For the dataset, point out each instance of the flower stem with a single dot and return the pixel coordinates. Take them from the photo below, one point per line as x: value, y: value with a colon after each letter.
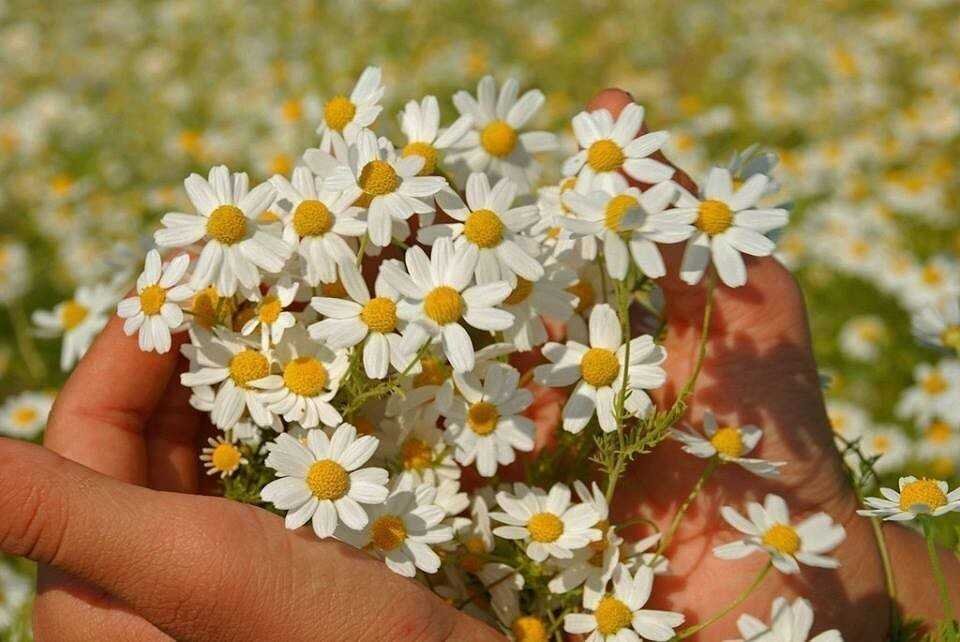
x: 28, y: 351
x: 730, y: 607
x: 678, y: 517
x: 702, y: 344
x: 948, y: 613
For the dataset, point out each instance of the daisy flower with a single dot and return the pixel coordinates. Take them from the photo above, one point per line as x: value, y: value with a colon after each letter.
x: 362, y: 319
x: 936, y: 393
x: 862, y: 337
x: 310, y: 375
x: 728, y: 443
x: 916, y: 497
x: 237, y: 244
x: 440, y: 301
x: 938, y: 439
x: 727, y: 224
x: 156, y: 309
x: 629, y: 223
x: 530, y: 300
x: 23, y: 416
x: 386, y: 185
x: 788, y: 623
x: 939, y: 326
x: 485, y: 424
x: 420, y: 123
x: 620, y: 617
x: 553, y: 209
x: 403, y: 528
x: 609, y: 147
x: 769, y: 529
x: 596, y: 371
x: 889, y: 445
x: 222, y: 457
x: 547, y: 522
x: 346, y: 116
x: 79, y: 320
x: 271, y: 315
x: 318, y: 224
x: 496, y: 142
x: 422, y: 452
x: 324, y: 481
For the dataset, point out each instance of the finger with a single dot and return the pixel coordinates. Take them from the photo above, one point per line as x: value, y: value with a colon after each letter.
x: 199, y: 568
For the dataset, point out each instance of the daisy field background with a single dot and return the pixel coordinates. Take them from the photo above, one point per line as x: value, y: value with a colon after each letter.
x: 106, y: 106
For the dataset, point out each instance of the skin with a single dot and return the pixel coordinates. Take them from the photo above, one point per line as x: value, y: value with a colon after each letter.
x: 113, y: 508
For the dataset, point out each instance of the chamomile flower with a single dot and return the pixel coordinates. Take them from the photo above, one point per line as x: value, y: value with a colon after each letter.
x: 403, y: 528
x: 728, y: 443
x: 619, y: 616
x: 769, y: 529
x: 916, y: 497
x: 23, y: 416
x: 553, y: 209
x: 936, y: 393
x: 788, y: 623
x: 79, y: 320
x: 728, y: 224
x: 496, y: 142
x: 324, y: 480
x: 630, y: 223
x: 863, y: 336
x: 386, y: 185
x: 439, y: 301
x: 609, y: 147
x: 420, y: 123
x: 597, y: 372
x: 237, y: 245
x: 362, y: 319
x: 939, y: 326
x: 222, y: 457
x: 346, y: 116
x: 485, y: 424
x: 546, y: 521
x: 531, y: 300
x: 422, y: 452
x: 318, y: 224
x: 937, y: 439
x: 156, y: 309
x: 887, y: 443
x: 270, y: 314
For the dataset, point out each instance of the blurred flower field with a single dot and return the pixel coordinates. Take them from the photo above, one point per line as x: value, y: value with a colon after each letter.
x: 105, y: 107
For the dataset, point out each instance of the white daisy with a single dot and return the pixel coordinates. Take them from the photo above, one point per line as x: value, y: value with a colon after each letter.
x: 939, y: 326
x: 324, y: 481
x: 485, y: 424
x: 728, y: 443
x: 420, y: 123
x: 318, y: 223
x: 530, y: 300
x: 386, y: 185
x: 609, y: 147
x: 547, y: 522
x: 421, y: 451
x: 346, y: 116
x: 862, y: 337
x: 237, y: 244
x: 620, y: 617
x: 936, y: 393
x: 496, y: 143
x: 23, y: 416
x: 156, y: 309
x: 553, y: 209
x: 79, y: 320
x: 890, y: 445
x: 440, y: 301
x: 728, y: 223
x: 769, y: 529
x: 488, y: 222
x: 788, y: 623
x: 597, y: 371
x: 916, y: 497
x: 938, y: 439
x: 270, y: 313
x: 222, y: 457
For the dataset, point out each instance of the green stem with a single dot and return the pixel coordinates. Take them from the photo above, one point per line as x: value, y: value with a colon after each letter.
x: 623, y: 305
x: 948, y: 613
x: 730, y: 607
x: 694, y: 492
x: 28, y: 351
x: 702, y: 345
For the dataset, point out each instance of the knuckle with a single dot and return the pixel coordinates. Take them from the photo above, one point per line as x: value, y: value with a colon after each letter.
x: 35, y: 517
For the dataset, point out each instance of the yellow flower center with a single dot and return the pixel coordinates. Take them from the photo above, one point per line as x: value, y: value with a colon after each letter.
x: 305, y: 376
x: 498, y: 139
x: 152, y: 299
x: 951, y: 337
x: 433, y: 372
x: 545, y: 527
x: 248, y: 365
x: 529, y: 629
x: 380, y: 314
x: 205, y: 306
x: 472, y: 561
x: 782, y: 538
x: 227, y: 224
x: 934, y: 383
x: 924, y: 492
x: 416, y: 454
x: 292, y: 110
x: 72, y: 314
x: 932, y: 275
x: 617, y: 207
x: 584, y: 291
x: 388, y: 532
x: 483, y: 228
x: 338, y: 112
x: 881, y: 443
x: 483, y: 417
x: 378, y: 178
x: 714, y: 217
x: 225, y: 458
x: 520, y: 292
x: 427, y: 152
x: 612, y: 615
x: 728, y: 441
x: 312, y: 218
x: 328, y: 480
x: 24, y: 416
x: 599, y: 367
x: 443, y: 305
x: 938, y: 432
x: 269, y: 309
x: 605, y: 156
